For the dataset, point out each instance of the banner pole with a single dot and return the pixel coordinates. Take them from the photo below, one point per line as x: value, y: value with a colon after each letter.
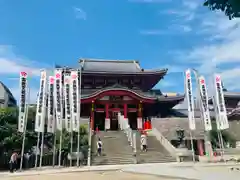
x: 192, y: 146
x: 222, y: 144
x: 41, y: 153
x: 60, y: 149
x: 55, y: 138
x: 25, y: 129
x: 37, y: 150
x: 78, y: 136
x: 54, y: 148
x: 71, y: 147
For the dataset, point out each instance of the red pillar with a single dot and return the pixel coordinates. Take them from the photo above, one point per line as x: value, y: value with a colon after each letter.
x: 107, y: 120
x: 107, y: 112
x: 92, y: 116
x: 200, y: 147
x: 139, y: 119
x: 125, y: 111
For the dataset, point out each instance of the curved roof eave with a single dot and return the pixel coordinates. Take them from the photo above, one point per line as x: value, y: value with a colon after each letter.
x: 228, y: 94
x: 171, y: 98
x: 149, y: 72
x: 122, y: 91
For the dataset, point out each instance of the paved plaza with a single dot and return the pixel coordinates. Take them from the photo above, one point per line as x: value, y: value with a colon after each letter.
x: 116, y: 175
x: 164, y: 171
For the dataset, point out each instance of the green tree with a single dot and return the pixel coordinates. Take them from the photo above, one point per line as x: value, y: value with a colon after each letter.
x: 10, y: 138
x: 231, y: 8
x: 227, y: 138
x: 66, y: 139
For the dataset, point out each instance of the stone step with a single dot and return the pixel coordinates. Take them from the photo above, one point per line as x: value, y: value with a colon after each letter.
x: 156, y: 152
x: 116, y: 149
x: 110, y: 162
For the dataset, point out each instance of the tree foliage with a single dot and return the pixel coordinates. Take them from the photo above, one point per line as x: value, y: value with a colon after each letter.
x: 11, y: 139
x: 226, y: 136
x: 231, y: 8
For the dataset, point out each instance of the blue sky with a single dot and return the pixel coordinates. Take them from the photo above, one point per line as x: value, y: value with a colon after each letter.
x: 175, y: 34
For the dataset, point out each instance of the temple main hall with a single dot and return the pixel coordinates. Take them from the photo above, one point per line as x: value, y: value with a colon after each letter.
x: 112, y: 86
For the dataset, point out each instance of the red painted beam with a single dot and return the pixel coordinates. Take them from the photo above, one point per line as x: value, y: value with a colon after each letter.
x: 123, y: 92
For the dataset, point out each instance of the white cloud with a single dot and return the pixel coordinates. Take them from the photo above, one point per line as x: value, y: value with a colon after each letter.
x: 174, y: 68
x: 219, y: 49
x: 152, y: 32
x: 192, y: 4
x: 173, y: 29
x: 79, y: 13
x: 182, y: 14
x: 12, y: 64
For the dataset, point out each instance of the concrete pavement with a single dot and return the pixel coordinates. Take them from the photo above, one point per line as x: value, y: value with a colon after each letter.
x: 191, y: 171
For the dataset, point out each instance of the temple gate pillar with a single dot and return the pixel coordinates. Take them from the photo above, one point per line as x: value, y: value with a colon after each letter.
x: 139, y: 118
x: 125, y: 112
x: 107, y: 119
x: 92, y: 116
x: 200, y: 147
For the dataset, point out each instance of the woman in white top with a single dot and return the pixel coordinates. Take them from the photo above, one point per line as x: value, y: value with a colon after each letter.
x: 144, y: 142
x: 99, y: 147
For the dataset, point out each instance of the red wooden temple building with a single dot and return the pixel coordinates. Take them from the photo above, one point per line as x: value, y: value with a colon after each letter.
x: 113, y: 86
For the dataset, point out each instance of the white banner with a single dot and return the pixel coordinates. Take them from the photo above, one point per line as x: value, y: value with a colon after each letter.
x: 220, y: 104
x: 75, y: 101
x: 58, y: 98
x: 51, y: 119
x: 189, y: 95
x: 41, y: 103
x: 22, y: 102
x: 68, y: 121
x: 204, y: 104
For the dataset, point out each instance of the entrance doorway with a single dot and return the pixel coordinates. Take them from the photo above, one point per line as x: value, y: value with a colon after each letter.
x: 132, y: 119
x: 99, y: 120
x: 114, y: 121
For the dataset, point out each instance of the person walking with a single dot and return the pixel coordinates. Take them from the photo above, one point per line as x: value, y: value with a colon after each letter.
x: 13, y: 162
x: 144, y: 142
x: 27, y: 156
x: 99, y: 147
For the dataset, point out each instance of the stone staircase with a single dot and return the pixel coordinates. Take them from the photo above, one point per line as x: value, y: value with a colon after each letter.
x: 116, y: 149
x: 156, y: 152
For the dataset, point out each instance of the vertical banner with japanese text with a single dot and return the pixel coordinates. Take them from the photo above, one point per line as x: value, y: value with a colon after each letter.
x: 51, y: 119
x: 68, y: 121
x: 22, y: 102
x: 75, y: 101
x: 204, y: 104
x: 41, y: 103
x: 58, y: 98
x: 220, y: 104
x: 189, y: 95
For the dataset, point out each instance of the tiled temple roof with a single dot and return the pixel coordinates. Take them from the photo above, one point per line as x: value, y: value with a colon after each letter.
x: 117, y: 66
